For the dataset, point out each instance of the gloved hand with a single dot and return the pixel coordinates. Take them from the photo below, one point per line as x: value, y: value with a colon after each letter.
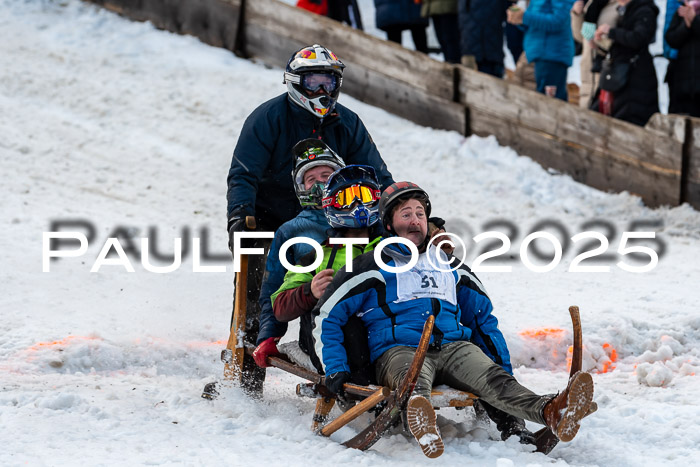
x: 236, y: 224
x: 588, y: 30
x: 438, y: 222
x: 334, y: 382
x: 267, y: 348
x: 524, y: 435
x: 436, y: 225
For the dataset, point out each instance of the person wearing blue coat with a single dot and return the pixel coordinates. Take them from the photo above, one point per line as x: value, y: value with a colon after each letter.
x: 395, y: 16
x: 548, y: 41
x: 467, y: 350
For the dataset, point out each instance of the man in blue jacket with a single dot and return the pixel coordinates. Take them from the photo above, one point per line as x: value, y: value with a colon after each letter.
x: 259, y: 181
x: 548, y: 42
x: 466, y: 340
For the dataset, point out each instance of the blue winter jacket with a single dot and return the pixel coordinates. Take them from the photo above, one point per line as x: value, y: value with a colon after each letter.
x: 481, y: 29
x: 548, y: 35
x: 398, y: 13
x: 260, y: 181
x: 394, y: 307
x: 671, y: 8
x: 310, y: 223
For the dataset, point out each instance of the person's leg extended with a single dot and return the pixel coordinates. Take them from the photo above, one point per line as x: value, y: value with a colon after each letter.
x: 464, y: 366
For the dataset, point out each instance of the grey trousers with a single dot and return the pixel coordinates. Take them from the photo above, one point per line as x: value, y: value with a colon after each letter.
x: 463, y: 366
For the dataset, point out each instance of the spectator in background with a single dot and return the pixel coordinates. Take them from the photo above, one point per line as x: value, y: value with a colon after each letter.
x: 481, y: 31
x: 345, y: 11
x: 683, y: 75
x: 395, y: 16
x: 669, y: 52
x: 446, y: 23
x: 548, y: 42
x: 585, y: 18
x: 514, y: 38
x: 320, y: 7
x: 634, y: 97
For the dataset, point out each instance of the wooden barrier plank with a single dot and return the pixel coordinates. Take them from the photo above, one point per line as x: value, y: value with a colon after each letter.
x: 214, y: 22
x: 605, y: 153
x: 352, y: 46
x: 404, y: 100
x: 584, y: 164
x: 692, y: 177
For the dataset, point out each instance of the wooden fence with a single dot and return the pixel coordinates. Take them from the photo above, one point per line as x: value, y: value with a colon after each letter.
x: 659, y: 162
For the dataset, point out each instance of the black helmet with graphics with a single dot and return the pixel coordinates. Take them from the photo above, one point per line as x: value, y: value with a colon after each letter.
x: 397, y: 192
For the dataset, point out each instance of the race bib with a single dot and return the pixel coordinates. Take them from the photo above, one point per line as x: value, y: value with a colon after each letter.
x: 424, y: 281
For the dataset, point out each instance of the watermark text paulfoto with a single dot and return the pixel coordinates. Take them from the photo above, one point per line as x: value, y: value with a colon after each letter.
x: 637, y: 249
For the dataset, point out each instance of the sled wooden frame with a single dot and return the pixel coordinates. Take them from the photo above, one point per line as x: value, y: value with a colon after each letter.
x: 371, y: 395
x: 235, y: 350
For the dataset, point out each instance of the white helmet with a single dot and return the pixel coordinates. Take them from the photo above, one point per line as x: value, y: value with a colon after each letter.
x: 313, y: 76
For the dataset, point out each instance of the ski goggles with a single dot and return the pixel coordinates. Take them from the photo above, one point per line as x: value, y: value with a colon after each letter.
x: 345, y: 197
x: 313, y: 82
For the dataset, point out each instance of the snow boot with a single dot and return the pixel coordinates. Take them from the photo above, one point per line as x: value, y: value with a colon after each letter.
x: 421, y: 420
x: 564, y: 412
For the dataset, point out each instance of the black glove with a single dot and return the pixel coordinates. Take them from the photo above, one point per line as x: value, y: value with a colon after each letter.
x: 235, y: 224
x: 509, y: 425
x: 334, y: 383
x: 438, y: 222
x: 525, y: 435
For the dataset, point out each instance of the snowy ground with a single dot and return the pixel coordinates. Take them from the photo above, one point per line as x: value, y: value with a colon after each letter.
x: 118, y: 124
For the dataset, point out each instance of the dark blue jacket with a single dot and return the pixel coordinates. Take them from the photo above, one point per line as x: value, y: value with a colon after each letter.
x: 394, y: 307
x: 260, y: 181
x: 481, y: 25
x: 310, y: 223
x: 404, y: 13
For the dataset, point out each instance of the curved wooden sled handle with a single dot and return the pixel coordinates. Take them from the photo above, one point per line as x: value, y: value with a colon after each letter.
x: 545, y: 440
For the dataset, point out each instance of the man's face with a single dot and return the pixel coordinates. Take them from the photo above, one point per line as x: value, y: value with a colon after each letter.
x: 317, y: 174
x: 409, y: 221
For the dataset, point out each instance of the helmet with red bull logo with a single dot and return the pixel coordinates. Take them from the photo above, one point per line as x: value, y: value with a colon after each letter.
x: 313, y: 76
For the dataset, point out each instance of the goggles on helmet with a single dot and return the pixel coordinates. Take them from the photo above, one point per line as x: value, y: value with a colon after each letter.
x: 313, y: 82
x: 344, y: 198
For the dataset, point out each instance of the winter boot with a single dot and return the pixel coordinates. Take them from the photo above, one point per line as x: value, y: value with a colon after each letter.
x: 421, y: 419
x: 564, y: 412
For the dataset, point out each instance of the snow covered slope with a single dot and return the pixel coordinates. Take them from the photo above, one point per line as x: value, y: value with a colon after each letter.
x: 120, y: 125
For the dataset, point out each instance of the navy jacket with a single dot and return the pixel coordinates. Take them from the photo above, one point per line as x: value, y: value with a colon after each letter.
x: 394, y: 307
x: 481, y: 24
x: 405, y: 13
x: 260, y: 181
